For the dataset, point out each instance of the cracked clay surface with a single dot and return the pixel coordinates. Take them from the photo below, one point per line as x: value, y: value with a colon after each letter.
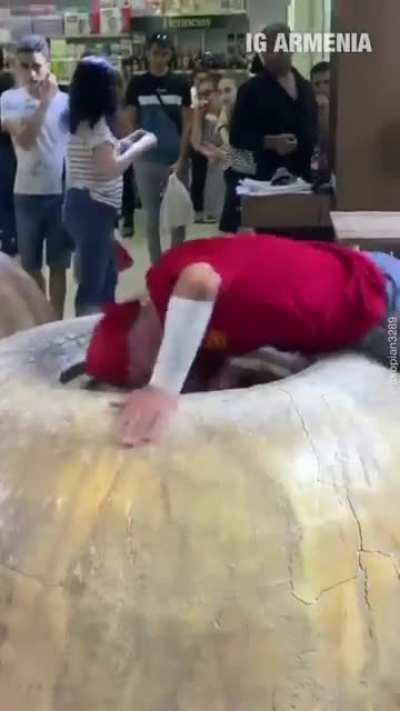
x: 250, y: 562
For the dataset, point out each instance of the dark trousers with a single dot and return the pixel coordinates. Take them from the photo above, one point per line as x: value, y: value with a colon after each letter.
x: 128, y: 195
x: 199, y: 175
x: 231, y: 218
x: 8, y: 230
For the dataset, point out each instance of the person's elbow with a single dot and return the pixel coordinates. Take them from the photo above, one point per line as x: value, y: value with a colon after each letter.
x: 22, y: 138
x: 199, y: 282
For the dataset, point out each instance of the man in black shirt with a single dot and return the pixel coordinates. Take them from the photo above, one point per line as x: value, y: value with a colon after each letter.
x: 159, y: 101
x: 276, y: 114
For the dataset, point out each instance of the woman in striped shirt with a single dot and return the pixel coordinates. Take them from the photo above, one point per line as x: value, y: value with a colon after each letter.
x: 96, y: 161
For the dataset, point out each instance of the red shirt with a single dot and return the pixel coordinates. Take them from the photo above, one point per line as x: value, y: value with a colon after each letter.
x: 307, y: 296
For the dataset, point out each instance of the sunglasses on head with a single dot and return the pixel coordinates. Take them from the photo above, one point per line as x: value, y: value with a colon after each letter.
x: 162, y: 39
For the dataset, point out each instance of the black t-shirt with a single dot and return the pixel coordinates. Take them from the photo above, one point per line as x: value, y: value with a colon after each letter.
x: 159, y: 102
x: 263, y: 108
x: 257, y: 66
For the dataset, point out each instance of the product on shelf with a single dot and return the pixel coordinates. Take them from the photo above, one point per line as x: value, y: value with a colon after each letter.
x: 71, y: 24
x: 76, y: 23
x: 110, y: 21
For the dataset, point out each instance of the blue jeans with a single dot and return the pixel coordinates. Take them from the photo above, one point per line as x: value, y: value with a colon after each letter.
x: 383, y: 342
x: 90, y: 225
x: 39, y: 221
x: 390, y: 266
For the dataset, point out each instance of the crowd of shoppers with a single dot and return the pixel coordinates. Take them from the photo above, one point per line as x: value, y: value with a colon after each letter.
x: 78, y: 162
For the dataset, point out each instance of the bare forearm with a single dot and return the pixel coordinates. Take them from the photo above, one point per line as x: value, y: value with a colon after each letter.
x: 196, y: 132
x: 26, y: 134
x: 127, y: 121
x: 185, y: 138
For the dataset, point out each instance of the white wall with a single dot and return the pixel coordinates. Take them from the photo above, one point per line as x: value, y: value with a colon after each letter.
x: 262, y: 12
x: 309, y: 16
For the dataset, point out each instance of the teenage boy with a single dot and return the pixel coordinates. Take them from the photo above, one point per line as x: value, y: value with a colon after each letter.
x: 159, y: 102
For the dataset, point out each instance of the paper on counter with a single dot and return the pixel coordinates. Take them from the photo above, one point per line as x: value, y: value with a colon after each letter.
x: 249, y: 186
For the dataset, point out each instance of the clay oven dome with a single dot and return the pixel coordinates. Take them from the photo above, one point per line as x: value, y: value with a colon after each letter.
x: 22, y: 305
x: 248, y: 563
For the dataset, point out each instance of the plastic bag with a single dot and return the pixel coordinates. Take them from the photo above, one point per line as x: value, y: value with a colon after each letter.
x: 176, y: 206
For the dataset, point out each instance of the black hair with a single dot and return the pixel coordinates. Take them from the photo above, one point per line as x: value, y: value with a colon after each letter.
x: 7, y: 81
x: 93, y: 93
x: 161, y: 39
x: 319, y: 68
x: 33, y: 43
x: 276, y: 28
x: 257, y: 65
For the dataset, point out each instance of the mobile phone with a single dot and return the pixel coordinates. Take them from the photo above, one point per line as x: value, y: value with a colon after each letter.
x: 136, y: 135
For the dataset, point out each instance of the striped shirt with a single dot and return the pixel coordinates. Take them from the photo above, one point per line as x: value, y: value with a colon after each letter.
x: 81, y: 168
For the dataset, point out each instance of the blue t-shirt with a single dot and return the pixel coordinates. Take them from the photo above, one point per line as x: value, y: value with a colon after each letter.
x: 159, y: 102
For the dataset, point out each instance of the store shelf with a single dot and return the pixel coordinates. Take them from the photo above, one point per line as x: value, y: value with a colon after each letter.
x: 187, y: 72
x: 96, y: 38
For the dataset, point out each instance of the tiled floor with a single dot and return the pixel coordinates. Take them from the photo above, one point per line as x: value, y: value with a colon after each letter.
x: 132, y: 281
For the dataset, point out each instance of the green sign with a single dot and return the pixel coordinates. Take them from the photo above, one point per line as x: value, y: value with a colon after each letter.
x: 187, y: 23
x: 150, y: 25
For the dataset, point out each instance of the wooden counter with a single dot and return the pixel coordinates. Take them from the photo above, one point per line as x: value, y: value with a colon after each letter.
x: 280, y: 212
x: 368, y: 230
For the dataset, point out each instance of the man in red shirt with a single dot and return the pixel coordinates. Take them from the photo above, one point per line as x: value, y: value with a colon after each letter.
x: 211, y: 299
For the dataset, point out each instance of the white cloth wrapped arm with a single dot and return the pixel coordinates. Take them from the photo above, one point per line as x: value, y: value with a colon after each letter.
x: 185, y: 326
